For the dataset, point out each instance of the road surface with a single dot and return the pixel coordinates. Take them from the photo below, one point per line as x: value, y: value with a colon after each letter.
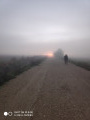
x: 52, y: 91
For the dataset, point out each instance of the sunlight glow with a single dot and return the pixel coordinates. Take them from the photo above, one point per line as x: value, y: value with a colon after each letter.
x: 49, y: 54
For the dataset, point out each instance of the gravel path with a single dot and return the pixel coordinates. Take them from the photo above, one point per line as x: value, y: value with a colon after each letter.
x: 52, y: 90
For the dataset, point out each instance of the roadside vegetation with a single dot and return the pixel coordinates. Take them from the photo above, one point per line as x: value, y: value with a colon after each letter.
x: 11, y: 67
x: 84, y: 63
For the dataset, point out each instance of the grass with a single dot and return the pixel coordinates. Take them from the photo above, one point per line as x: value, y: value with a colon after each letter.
x: 10, y: 69
x: 81, y: 63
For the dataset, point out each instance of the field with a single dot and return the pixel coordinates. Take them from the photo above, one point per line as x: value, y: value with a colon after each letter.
x: 11, y: 66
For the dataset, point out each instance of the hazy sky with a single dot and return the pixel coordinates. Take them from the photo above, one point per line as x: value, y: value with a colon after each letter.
x: 30, y: 27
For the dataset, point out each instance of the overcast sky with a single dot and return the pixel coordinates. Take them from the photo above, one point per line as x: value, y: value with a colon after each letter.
x: 33, y: 27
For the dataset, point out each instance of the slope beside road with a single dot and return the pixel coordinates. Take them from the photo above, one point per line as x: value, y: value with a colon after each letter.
x: 52, y: 91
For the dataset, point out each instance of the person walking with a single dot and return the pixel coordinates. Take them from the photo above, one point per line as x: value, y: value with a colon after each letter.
x: 66, y: 59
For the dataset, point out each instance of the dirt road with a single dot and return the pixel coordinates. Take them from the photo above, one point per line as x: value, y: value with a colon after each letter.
x: 52, y: 91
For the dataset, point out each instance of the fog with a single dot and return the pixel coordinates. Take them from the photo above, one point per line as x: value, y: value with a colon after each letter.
x: 36, y: 27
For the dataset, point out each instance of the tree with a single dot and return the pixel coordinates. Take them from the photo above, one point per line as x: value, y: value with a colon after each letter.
x: 59, y: 53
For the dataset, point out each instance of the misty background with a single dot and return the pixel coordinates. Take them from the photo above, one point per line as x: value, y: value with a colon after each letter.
x: 36, y: 27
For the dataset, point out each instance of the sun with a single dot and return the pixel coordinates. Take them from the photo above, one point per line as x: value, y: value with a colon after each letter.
x: 49, y: 54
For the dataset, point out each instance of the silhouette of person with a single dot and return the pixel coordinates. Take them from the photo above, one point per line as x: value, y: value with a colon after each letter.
x: 66, y: 59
